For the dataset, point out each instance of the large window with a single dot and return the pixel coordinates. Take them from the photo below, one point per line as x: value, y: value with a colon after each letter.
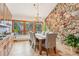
x: 18, y: 27
x: 38, y: 27
x: 24, y: 27
x: 29, y: 26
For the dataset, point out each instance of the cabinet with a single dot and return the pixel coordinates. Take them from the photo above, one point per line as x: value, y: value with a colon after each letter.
x: 5, y: 12
x: 1, y: 10
x: 1, y: 50
x: 6, y: 45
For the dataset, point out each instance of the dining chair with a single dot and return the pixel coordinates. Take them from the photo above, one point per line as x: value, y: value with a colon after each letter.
x: 50, y: 42
x: 31, y: 38
x: 35, y: 42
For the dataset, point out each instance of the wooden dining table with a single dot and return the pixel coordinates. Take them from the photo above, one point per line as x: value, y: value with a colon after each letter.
x: 41, y: 38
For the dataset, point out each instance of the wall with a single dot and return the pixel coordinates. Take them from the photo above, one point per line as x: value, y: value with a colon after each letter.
x: 63, y: 21
x: 5, y: 15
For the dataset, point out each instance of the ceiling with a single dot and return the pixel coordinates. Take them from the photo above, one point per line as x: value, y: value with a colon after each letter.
x: 27, y: 10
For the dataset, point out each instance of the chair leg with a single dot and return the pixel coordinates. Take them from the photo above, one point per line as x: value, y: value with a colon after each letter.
x: 35, y: 47
x: 30, y: 42
x: 55, y: 50
x: 47, y: 50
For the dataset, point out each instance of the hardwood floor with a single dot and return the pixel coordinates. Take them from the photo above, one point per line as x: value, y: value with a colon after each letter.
x: 23, y: 48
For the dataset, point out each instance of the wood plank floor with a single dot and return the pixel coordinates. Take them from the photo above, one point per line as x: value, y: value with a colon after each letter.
x: 23, y: 48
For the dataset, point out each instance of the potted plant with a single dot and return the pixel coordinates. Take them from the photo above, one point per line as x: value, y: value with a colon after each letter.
x: 70, y: 40
x: 73, y: 41
x: 77, y: 45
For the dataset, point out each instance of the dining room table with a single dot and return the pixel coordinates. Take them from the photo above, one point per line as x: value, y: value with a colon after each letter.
x: 41, y: 37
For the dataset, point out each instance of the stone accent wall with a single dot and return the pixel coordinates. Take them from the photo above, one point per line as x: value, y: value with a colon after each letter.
x: 63, y: 21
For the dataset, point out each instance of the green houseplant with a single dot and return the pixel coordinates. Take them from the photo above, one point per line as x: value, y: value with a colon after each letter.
x: 77, y: 45
x: 73, y: 41
x: 70, y: 40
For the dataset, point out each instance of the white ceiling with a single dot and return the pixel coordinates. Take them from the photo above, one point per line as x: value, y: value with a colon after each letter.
x: 27, y: 10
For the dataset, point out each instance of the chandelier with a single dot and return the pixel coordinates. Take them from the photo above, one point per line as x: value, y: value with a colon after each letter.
x: 36, y: 6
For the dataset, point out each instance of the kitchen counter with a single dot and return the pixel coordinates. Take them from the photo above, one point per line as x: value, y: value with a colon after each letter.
x: 6, y: 44
x: 5, y: 38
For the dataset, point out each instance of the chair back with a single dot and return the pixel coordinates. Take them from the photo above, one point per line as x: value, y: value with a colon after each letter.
x: 31, y: 35
x: 50, y: 41
x: 33, y: 39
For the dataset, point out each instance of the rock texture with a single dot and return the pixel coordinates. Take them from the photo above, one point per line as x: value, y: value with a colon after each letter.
x: 64, y: 20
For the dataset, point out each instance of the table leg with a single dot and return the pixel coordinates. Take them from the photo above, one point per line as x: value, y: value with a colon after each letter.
x: 40, y: 47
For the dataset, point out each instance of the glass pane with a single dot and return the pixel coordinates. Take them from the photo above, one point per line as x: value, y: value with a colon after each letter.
x: 18, y: 27
x: 38, y: 27
x: 29, y: 26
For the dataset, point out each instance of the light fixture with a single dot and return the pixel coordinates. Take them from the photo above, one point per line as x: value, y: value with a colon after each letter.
x: 36, y: 6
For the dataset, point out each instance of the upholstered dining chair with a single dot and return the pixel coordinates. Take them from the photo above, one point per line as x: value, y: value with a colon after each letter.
x: 30, y: 37
x: 33, y: 42
x: 50, y: 42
